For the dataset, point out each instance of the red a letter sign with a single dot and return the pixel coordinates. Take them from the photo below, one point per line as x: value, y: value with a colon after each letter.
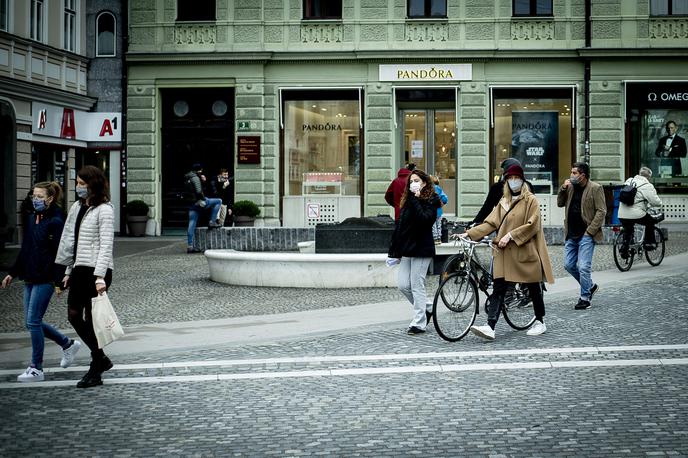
x: 41, y: 119
x: 106, y: 128
x: 68, y: 129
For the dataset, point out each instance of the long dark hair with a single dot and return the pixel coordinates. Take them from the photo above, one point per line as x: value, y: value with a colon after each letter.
x: 425, y: 193
x: 98, y: 187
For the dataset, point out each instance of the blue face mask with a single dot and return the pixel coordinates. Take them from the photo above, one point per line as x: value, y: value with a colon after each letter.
x: 39, y: 204
x: 82, y: 192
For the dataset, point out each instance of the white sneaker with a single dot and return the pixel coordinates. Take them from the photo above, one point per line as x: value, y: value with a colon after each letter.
x: 486, y: 332
x: 69, y: 353
x: 31, y: 374
x: 538, y: 328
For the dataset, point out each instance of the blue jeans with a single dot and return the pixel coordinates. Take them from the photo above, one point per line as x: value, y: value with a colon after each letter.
x: 195, y: 212
x: 36, y: 299
x: 578, y: 262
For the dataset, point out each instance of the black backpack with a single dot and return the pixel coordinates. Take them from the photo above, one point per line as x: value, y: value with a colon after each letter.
x: 628, y: 192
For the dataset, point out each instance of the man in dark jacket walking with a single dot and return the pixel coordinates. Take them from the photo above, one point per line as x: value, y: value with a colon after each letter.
x: 194, y: 183
x: 396, y: 188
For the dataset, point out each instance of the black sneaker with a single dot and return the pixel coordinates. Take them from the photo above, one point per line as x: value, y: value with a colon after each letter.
x: 213, y: 225
x: 583, y: 305
x: 649, y: 246
x: 193, y: 250
x: 92, y: 378
x: 593, y: 290
x: 428, y: 317
x: 414, y: 330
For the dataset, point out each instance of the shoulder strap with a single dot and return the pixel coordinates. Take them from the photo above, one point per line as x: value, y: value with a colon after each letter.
x: 505, y: 215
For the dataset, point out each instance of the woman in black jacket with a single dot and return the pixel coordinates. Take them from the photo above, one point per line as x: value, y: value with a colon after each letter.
x: 36, y: 266
x: 413, y: 243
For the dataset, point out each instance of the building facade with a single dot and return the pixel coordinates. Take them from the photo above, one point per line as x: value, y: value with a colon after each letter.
x: 314, y: 105
x: 51, y: 123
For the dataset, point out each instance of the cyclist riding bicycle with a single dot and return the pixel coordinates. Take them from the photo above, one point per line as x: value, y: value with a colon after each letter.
x: 521, y: 256
x: 496, y: 191
x: 645, y: 198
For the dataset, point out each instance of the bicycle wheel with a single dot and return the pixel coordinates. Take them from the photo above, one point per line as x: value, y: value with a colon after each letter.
x: 623, y: 264
x: 455, y: 306
x: 655, y: 257
x: 518, y: 307
x: 451, y: 265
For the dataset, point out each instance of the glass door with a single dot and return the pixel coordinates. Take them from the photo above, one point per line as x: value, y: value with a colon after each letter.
x: 429, y: 141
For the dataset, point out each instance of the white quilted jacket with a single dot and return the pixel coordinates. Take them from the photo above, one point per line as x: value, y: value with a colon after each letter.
x: 96, y: 237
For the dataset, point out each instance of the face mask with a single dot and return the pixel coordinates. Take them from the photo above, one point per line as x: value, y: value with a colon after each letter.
x: 415, y: 187
x: 515, y: 184
x: 39, y: 204
x: 82, y: 192
x: 574, y: 179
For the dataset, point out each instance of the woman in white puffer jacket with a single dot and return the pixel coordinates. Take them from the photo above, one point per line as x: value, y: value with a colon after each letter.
x: 645, y: 197
x: 86, y: 249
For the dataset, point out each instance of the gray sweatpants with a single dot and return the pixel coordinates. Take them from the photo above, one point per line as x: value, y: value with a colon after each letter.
x: 411, y: 281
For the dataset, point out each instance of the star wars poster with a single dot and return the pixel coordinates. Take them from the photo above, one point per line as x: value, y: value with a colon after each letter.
x: 535, y: 142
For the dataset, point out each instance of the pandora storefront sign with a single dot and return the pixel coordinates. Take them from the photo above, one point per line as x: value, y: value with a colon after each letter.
x: 429, y: 72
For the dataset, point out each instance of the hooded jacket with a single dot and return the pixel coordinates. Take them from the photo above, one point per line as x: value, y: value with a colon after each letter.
x: 196, y: 185
x: 396, y: 190
x: 645, y: 196
x: 36, y: 260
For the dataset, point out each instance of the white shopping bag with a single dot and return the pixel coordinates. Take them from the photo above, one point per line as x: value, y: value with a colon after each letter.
x: 105, y: 322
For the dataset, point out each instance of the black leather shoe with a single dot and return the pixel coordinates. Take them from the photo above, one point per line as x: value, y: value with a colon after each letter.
x: 414, y: 330
x: 89, y: 380
x: 428, y: 317
x: 583, y: 305
x: 105, y: 364
x: 593, y: 290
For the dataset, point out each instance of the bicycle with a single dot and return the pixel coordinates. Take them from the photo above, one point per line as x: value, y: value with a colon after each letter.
x: 456, y: 303
x: 637, y: 248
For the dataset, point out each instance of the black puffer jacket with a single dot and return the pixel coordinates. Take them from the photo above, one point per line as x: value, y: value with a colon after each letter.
x: 36, y: 260
x: 413, y: 235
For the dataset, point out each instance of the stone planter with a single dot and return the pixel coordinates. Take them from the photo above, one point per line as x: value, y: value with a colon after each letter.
x: 137, y: 225
x: 244, y: 221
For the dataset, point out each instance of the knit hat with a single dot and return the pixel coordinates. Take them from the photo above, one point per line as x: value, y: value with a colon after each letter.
x: 508, y: 162
x: 197, y: 166
x: 515, y: 170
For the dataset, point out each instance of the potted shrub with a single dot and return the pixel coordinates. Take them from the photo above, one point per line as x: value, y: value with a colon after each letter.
x: 137, y: 217
x: 245, y: 213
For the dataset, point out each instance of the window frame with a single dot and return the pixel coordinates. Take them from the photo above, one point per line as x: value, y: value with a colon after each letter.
x: 214, y: 18
x: 428, y: 10
x: 533, y: 10
x: 8, y: 16
x: 70, y: 36
x: 309, y: 3
x: 670, y: 5
x: 114, y: 34
x: 37, y: 21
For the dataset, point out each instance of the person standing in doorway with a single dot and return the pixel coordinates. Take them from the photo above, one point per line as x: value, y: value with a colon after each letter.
x: 194, y: 182
x: 36, y: 266
x: 222, y: 190
x: 86, y: 248
x: 397, y: 188
x: 412, y: 243
x: 585, y: 209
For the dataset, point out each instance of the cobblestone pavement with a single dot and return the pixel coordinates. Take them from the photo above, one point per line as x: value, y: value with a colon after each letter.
x: 610, y: 380
x: 167, y: 285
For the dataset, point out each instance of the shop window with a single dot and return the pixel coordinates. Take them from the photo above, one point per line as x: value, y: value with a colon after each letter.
x: 105, y: 35
x: 526, y: 8
x: 418, y: 9
x: 193, y: 10
x: 535, y: 128
x: 37, y: 20
x: 69, y: 25
x: 4, y: 15
x: 322, y: 147
x: 668, y: 7
x: 322, y: 9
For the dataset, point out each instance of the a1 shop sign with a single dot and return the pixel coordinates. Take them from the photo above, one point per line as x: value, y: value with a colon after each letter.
x: 71, y: 124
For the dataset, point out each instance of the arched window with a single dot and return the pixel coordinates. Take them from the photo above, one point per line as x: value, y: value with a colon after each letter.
x: 105, y: 35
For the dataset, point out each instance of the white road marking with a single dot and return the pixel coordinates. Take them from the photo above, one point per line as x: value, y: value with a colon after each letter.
x: 361, y: 358
x: 447, y: 368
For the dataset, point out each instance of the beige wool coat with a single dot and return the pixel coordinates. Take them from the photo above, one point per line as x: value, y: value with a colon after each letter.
x: 525, y: 259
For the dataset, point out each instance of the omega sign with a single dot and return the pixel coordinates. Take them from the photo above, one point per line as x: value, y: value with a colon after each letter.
x: 667, y: 96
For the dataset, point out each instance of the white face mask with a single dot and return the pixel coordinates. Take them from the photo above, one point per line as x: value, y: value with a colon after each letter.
x: 415, y: 186
x: 515, y: 184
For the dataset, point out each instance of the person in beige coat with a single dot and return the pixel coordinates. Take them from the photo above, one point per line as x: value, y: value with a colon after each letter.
x: 521, y: 253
